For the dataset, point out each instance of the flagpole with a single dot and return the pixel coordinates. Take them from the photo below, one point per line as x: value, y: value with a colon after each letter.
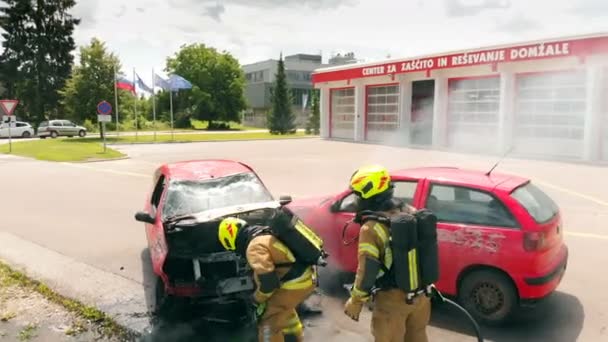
x: 154, y: 103
x: 135, y: 105
x: 116, y: 99
x: 171, y: 106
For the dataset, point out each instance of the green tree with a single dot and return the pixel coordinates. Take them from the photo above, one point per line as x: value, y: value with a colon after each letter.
x: 314, y: 119
x: 218, y: 84
x: 281, y: 119
x: 37, y: 57
x: 91, y: 82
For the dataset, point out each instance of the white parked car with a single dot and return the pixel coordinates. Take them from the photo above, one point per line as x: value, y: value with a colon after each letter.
x: 19, y: 129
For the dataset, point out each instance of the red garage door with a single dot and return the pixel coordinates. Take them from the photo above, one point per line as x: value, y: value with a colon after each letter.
x: 473, y: 107
x: 342, y: 114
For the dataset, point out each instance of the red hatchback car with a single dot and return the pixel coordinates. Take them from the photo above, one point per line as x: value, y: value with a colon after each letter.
x: 500, y: 236
x: 186, y: 202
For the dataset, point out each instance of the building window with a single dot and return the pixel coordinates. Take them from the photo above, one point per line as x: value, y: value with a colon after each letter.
x: 551, y: 105
x: 297, y: 95
x: 473, y: 105
x: 343, y: 113
x: 383, y: 108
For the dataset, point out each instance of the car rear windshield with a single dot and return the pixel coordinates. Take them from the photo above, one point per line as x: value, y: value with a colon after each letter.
x: 538, y: 204
x: 185, y: 197
x: 44, y: 124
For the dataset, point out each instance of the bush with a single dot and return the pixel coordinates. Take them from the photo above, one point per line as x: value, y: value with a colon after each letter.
x: 218, y: 126
x: 90, y: 126
x: 183, y: 121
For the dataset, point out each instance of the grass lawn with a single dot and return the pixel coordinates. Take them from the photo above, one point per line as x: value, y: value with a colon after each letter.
x: 198, y: 137
x: 62, y: 149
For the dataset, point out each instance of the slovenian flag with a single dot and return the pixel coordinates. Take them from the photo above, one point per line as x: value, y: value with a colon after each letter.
x: 123, y: 83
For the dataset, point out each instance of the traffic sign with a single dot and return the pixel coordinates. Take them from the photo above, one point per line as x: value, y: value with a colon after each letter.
x: 9, y: 118
x: 9, y: 106
x: 104, y: 118
x: 104, y: 108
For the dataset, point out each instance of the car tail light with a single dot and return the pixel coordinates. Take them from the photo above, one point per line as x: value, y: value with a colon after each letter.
x: 534, y: 241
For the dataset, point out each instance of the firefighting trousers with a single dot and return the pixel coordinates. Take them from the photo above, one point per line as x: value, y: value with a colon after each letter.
x: 280, y: 322
x: 393, y: 320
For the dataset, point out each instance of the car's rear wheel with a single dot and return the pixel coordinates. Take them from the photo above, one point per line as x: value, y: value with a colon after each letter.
x: 489, y: 296
x: 82, y: 133
x: 26, y: 134
x: 54, y: 134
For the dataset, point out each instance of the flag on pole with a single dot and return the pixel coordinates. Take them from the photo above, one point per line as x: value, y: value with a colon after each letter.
x: 177, y: 82
x: 142, y: 85
x: 161, y: 82
x: 125, y: 84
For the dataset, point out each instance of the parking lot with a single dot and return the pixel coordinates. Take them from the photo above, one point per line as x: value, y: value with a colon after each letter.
x: 85, y: 212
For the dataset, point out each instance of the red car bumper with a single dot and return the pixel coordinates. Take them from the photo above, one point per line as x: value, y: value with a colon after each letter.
x: 536, y: 287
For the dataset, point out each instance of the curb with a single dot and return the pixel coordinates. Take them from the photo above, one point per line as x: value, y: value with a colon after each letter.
x: 97, y: 160
x: 205, y: 141
x: 121, y: 299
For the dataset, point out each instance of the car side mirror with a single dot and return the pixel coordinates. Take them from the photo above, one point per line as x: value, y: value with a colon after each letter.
x: 145, y: 217
x: 285, y: 200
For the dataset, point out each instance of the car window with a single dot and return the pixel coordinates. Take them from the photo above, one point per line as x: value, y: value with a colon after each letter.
x: 455, y: 204
x: 348, y: 204
x: 405, y: 190
x: 68, y: 123
x: 56, y: 123
x: 158, y: 191
x: 44, y: 124
x: 538, y: 204
x: 21, y: 124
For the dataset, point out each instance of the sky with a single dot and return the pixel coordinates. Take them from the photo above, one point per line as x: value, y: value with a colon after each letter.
x: 143, y: 33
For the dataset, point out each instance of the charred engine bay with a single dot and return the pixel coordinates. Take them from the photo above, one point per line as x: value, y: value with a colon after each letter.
x: 195, y: 255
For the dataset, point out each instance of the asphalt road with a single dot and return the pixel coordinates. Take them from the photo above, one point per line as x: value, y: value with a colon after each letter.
x: 85, y: 211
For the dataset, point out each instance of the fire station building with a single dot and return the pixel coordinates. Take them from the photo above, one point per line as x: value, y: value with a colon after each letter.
x: 546, y: 99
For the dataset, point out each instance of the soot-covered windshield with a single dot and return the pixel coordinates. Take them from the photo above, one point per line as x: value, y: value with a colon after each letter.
x: 186, y: 197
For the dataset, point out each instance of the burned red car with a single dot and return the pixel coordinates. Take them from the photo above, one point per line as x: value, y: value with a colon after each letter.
x: 182, y: 212
x: 500, y: 237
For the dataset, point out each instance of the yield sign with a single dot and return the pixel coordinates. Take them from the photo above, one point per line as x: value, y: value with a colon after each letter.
x: 9, y: 106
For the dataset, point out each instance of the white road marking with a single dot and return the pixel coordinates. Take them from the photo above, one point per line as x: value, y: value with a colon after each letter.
x: 573, y: 193
x: 588, y: 235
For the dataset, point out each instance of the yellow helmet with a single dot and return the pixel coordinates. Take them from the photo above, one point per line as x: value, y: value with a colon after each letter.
x: 229, y: 228
x: 370, y: 181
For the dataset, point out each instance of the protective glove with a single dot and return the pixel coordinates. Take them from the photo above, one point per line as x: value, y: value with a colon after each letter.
x: 353, y: 308
x: 260, y: 309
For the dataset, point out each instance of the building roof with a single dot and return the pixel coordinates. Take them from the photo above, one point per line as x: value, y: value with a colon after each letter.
x: 541, y: 49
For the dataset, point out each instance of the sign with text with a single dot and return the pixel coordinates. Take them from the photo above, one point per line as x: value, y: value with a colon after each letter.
x: 104, y: 118
x: 9, y: 118
x: 544, y: 50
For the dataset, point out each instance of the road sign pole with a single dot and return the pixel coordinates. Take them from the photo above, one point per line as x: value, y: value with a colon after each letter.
x: 10, y: 137
x: 103, y: 124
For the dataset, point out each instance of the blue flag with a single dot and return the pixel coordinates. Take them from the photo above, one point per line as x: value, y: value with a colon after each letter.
x: 177, y: 82
x: 161, y: 82
x: 142, y: 85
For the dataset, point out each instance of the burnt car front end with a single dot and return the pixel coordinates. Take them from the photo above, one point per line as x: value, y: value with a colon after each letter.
x: 197, y: 266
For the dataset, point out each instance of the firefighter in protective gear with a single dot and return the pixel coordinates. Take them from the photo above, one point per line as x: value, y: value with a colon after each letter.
x: 397, y: 314
x: 282, y: 284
